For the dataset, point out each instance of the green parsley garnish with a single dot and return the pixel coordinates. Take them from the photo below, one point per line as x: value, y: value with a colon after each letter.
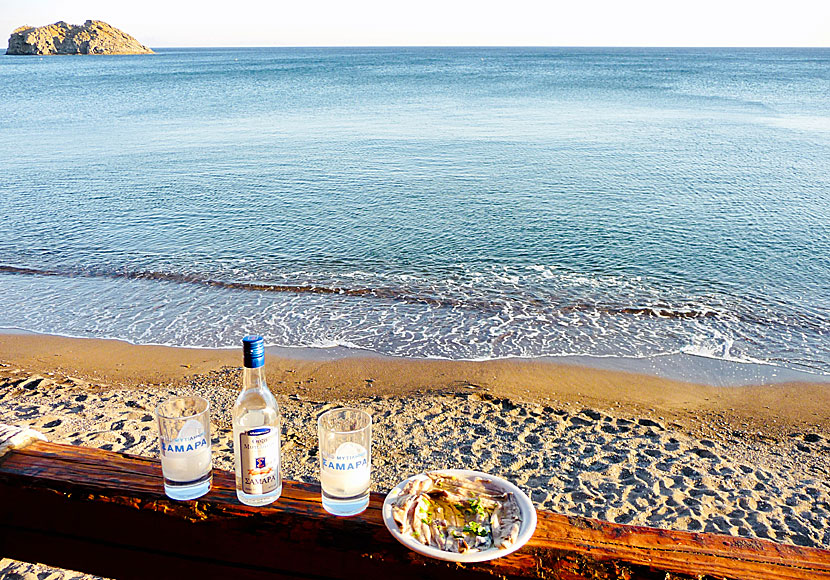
x: 476, y: 507
x: 477, y: 529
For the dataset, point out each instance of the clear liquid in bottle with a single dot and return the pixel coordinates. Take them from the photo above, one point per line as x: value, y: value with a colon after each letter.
x: 256, y: 432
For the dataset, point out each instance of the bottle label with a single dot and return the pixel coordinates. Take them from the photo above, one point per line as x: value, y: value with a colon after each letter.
x: 260, y: 455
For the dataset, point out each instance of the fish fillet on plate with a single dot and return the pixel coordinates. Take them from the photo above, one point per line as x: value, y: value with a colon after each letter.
x: 459, y: 515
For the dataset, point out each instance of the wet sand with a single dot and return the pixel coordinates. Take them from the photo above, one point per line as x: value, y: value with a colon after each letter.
x: 752, y: 461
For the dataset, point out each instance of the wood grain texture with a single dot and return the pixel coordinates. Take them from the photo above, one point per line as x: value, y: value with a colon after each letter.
x: 106, y: 513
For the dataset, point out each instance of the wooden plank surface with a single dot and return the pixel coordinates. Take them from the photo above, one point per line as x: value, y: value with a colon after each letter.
x: 106, y: 513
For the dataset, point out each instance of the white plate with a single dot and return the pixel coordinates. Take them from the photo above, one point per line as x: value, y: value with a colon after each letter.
x: 525, y: 532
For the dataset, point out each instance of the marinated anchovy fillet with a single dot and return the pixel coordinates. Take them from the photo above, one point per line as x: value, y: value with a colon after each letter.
x: 402, y: 511
x: 417, y: 484
x: 506, y: 522
x: 457, y: 514
x: 478, y: 485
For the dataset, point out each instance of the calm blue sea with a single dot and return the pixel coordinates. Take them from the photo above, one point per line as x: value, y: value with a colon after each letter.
x: 464, y: 203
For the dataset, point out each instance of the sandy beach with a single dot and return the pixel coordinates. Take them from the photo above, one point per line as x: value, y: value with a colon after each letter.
x: 752, y: 461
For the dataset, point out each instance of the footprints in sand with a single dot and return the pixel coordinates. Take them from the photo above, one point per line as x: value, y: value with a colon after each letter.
x: 575, y: 461
x: 71, y: 410
x: 14, y: 570
x: 638, y: 471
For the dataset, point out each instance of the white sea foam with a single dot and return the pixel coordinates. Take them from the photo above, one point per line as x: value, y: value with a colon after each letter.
x: 810, y: 123
x: 718, y: 346
x: 519, y: 313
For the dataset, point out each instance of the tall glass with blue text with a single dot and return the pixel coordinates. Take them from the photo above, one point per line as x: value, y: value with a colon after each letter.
x: 184, y: 446
x: 345, y: 460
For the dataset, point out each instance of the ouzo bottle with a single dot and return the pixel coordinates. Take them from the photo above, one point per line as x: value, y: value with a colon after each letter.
x: 256, y: 431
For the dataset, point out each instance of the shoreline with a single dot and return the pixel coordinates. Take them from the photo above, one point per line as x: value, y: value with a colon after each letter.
x: 684, y: 367
x: 771, y: 407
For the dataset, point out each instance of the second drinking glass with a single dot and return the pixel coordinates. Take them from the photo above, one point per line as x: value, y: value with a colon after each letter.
x: 345, y: 460
x: 184, y: 442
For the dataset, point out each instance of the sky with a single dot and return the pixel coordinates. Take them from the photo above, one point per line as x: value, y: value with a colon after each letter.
x: 169, y: 23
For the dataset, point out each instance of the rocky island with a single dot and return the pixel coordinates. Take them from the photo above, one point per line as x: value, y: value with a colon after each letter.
x: 92, y: 37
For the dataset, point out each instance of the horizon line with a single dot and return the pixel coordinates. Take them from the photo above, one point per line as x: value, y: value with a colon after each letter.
x: 491, y: 46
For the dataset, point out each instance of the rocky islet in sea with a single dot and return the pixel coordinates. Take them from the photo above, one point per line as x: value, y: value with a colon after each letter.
x: 91, y: 37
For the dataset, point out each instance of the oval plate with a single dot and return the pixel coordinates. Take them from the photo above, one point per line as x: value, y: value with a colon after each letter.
x: 525, y: 532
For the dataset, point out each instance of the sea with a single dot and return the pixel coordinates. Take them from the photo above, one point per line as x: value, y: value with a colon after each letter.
x: 451, y: 203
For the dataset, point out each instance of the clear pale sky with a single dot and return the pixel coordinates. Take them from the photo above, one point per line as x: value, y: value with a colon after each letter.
x: 161, y: 23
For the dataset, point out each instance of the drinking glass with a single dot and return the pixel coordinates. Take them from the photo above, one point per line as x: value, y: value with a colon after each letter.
x: 345, y: 460
x: 184, y: 441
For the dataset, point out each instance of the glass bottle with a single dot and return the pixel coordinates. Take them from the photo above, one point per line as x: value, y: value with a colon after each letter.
x: 256, y: 431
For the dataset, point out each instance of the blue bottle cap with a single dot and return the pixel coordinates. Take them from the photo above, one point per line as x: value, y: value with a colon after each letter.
x: 253, y: 351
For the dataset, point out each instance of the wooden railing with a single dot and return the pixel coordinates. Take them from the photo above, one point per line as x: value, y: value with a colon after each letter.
x: 106, y: 513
